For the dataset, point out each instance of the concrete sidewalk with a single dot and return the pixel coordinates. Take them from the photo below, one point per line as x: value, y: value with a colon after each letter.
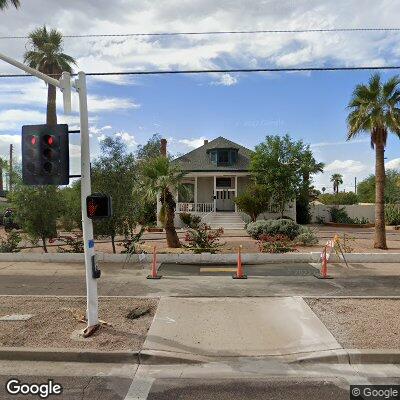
x: 237, y: 327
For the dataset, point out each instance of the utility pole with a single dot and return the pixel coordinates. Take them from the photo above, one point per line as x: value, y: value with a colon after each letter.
x: 355, y: 185
x: 1, y: 177
x: 11, y: 167
x: 64, y: 84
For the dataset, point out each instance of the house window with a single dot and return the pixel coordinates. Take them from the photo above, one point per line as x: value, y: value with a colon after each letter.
x: 223, y: 157
x: 223, y: 182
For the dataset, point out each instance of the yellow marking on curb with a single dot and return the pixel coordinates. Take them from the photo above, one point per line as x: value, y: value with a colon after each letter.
x: 217, y: 269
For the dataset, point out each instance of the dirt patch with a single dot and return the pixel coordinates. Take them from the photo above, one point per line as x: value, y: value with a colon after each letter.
x: 55, y: 322
x: 361, y: 323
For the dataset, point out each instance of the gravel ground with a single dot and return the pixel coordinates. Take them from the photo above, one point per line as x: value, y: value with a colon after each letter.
x: 361, y: 323
x: 55, y: 323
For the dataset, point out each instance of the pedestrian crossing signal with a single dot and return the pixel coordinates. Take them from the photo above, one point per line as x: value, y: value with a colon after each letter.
x: 98, y: 205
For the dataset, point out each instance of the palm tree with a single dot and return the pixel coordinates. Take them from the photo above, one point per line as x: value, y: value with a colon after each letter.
x: 162, y: 178
x: 336, y: 179
x: 47, y: 57
x: 374, y: 109
x: 5, y: 3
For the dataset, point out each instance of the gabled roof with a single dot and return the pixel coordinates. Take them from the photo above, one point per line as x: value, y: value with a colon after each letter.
x: 199, y: 159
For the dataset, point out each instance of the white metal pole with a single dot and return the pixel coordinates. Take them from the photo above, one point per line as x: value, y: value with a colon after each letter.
x: 87, y: 225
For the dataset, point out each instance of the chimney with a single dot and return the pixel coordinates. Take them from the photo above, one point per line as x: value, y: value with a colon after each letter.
x: 205, y: 141
x: 163, y: 147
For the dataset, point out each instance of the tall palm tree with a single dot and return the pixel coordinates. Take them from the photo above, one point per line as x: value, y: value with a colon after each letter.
x: 162, y: 178
x: 374, y: 109
x: 5, y: 3
x: 336, y: 179
x: 47, y: 56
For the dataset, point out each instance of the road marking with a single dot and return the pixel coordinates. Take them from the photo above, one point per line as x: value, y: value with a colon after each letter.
x: 217, y: 269
x: 139, y: 389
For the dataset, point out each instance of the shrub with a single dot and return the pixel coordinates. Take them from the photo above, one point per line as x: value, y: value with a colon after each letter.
x: 340, y: 216
x: 72, y: 243
x: 190, y: 220
x: 285, y: 227
x: 203, y: 239
x: 392, y: 214
x: 254, y: 201
x: 307, y: 237
x: 275, y: 244
x: 131, y: 241
x: 342, y: 198
x: 10, y: 243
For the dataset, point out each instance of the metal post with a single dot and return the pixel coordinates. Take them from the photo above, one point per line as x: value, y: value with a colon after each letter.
x: 87, y: 225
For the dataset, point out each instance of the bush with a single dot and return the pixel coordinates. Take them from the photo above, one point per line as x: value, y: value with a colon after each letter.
x: 131, y: 241
x: 340, y: 216
x: 307, y: 237
x: 342, y: 198
x: 190, y: 220
x: 203, y: 239
x: 275, y: 244
x: 73, y: 243
x: 392, y: 214
x: 254, y: 201
x: 284, y: 227
x: 10, y: 243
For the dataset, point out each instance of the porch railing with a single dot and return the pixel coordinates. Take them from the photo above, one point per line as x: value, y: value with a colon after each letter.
x: 192, y: 207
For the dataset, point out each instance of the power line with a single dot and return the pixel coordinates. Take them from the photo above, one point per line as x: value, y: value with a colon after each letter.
x: 243, y: 32
x: 227, y: 70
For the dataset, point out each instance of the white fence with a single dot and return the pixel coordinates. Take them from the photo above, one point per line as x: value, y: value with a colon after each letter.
x: 321, y: 211
x: 192, y: 207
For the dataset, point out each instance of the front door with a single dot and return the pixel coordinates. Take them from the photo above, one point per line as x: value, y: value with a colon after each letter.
x: 225, y: 200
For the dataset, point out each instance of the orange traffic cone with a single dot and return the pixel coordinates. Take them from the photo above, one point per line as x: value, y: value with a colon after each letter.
x: 324, y: 267
x: 239, y: 272
x: 153, y: 274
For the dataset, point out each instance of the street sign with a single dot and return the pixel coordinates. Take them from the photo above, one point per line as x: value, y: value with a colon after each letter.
x: 45, y: 154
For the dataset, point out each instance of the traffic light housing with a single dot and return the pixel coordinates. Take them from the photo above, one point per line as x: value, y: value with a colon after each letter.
x: 45, y: 154
x: 98, y: 206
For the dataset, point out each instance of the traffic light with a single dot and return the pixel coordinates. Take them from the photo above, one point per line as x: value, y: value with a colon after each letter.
x: 45, y: 154
x: 98, y: 206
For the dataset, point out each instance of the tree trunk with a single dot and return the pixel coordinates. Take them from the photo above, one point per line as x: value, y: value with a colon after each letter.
x: 113, y: 243
x: 170, y: 231
x: 44, y: 244
x: 51, y: 118
x: 380, y: 229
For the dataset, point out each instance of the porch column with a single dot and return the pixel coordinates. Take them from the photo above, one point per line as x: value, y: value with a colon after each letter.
x: 236, y: 190
x: 215, y: 193
x: 195, y: 193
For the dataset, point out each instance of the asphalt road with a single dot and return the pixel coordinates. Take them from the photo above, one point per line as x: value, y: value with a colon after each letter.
x: 241, y: 379
x: 181, y: 280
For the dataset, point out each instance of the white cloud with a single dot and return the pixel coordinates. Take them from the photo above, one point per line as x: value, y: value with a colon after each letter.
x: 193, y: 143
x: 393, y: 164
x: 74, y: 150
x: 225, y: 80
x: 346, y: 165
x: 96, y: 104
x: 127, y: 138
x: 341, y: 142
x: 13, y: 119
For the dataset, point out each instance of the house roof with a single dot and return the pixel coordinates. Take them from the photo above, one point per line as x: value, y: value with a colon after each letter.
x: 199, y: 159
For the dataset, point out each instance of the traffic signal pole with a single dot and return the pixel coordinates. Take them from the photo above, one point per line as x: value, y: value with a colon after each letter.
x: 87, y: 226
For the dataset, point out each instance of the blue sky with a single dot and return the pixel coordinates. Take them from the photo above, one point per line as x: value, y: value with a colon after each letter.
x: 188, y: 109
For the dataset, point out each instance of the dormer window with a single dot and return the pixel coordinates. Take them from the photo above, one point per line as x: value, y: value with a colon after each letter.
x: 223, y: 157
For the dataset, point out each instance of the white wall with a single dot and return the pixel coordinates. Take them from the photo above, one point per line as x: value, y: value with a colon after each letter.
x: 353, y: 211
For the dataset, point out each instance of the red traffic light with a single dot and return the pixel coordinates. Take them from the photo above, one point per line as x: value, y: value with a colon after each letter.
x: 33, y: 140
x: 49, y: 139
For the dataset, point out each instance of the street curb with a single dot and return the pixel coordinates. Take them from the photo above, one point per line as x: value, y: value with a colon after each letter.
x: 204, y: 258
x: 155, y: 357
x: 352, y: 356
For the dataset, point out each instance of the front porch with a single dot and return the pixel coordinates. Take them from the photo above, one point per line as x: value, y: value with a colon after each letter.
x: 209, y: 193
